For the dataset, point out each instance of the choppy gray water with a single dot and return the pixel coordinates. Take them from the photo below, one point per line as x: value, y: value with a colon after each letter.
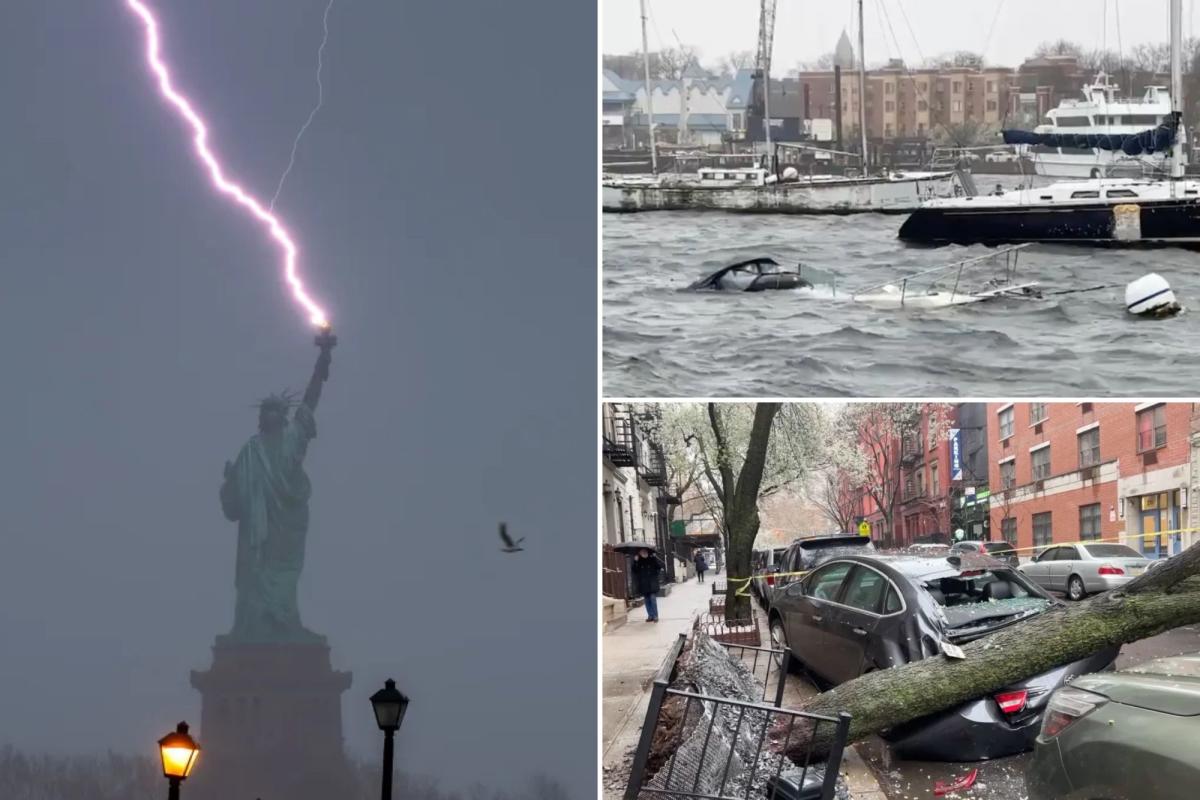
x: 660, y: 341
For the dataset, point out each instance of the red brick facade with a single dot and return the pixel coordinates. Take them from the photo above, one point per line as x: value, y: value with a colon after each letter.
x: 1128, y: 482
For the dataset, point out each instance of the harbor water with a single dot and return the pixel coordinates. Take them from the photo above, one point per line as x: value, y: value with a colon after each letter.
x: 663, y: 341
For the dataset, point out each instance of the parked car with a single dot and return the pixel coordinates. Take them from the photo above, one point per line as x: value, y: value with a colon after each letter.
x: 807, y: 553
x: 1123, y: 734
x: 855, y: 614
x: 1083, y: 569
x: 1001, y: 550
x: 764, y: 564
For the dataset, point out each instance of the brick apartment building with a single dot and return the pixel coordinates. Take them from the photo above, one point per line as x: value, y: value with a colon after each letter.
x: 1066, y: 472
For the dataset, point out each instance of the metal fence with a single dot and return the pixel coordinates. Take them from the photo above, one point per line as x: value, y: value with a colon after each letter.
x: 723, y: 754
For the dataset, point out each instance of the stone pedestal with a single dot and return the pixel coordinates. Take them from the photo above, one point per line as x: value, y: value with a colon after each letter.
x: 270, y: 724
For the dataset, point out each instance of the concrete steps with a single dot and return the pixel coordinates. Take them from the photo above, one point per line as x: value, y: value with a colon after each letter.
x: 614, y: 614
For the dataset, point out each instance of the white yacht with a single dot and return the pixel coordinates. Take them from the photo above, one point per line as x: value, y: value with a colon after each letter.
x: 1100, y: 112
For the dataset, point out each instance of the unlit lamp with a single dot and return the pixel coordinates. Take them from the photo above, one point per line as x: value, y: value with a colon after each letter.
x: 389, y: 704
x: 178, y: 751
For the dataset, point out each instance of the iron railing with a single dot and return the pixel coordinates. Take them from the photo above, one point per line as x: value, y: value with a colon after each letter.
x: 736, y: 755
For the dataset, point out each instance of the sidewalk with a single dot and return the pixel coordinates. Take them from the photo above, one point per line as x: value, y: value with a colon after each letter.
x: 631, y: 655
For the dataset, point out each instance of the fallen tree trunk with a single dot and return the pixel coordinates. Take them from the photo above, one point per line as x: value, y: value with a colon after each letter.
x: 1166, y: 597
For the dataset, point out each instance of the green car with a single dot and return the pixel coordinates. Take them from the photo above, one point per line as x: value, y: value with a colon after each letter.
x: 1122, y: 735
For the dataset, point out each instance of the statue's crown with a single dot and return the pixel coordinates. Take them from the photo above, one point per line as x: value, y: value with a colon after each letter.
x: 278, y: 402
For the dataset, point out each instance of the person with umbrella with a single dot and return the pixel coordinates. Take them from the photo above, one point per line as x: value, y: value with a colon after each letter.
x: 646, y: 569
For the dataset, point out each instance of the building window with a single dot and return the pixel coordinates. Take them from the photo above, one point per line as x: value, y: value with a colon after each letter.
x: 1006, y: 423
x: 1089, y: 448
x: 1008, y: 529
x: 958, y: 105
x: 889, y: 88
x: 924, y: 86
x: 1152, y: 428
x: 1008, y: 474
x: 1037, y: 413
x: 992, y: 106
x: 922, y: 105
x: 1041, y: 463
x: 957, y: 87
x: 1089, y: 522
x: 991, y: 86
x: 888, y: 105
x: 1041, y: 529
x: 935, y: 487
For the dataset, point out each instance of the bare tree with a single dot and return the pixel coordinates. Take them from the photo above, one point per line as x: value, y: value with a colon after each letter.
x: 1058, y: 47
x: 736, y: 61
x: 833, y: 494
x: 968, y: 133
x: 673, y: 62
x: 881, y: 431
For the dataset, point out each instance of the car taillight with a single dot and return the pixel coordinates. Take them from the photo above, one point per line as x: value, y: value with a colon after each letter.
x: 770, y: 580
x: 1109, y: 569
x: 1012, y: 702
x: 1066, y: 707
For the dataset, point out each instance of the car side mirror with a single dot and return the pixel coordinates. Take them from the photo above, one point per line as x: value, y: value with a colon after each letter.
x: 795, y: 589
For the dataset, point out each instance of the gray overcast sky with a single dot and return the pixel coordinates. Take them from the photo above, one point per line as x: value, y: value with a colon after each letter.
x: 141, y: 317
x: 805, y: 29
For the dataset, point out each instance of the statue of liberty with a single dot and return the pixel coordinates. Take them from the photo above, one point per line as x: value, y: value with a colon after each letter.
x: 266, y: 493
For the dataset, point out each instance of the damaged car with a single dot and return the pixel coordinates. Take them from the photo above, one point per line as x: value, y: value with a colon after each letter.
x: 752, y: 275
x: 856, y: 614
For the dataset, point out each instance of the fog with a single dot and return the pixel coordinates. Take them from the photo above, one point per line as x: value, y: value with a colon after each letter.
x: 142, y: 317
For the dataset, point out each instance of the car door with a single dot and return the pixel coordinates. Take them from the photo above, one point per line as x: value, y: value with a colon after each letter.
x: 1038, y: 570
x: 809, y: 603
x: 1064, y: 564
x: 850, y: 623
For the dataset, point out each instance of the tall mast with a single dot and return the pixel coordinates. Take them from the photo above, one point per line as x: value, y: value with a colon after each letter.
x: 649, y: 94
x: 1177, y: 158
x: 862, y: 86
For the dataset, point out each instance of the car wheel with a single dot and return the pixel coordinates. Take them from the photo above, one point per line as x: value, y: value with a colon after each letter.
x: 1075, y: 589
x: 779, y: 642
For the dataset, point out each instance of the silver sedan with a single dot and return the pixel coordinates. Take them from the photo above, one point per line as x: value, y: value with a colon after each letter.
x: 1083, y: 569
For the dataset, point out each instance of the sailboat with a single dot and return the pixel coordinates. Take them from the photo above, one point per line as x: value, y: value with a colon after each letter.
x: 758, y: 189
x: 1123, y: 212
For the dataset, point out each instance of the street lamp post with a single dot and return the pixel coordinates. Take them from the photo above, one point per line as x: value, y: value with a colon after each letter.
x: 178, y: 752
x: 389, y: 704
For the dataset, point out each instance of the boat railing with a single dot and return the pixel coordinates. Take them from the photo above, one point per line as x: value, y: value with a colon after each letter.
x: 937, y: 275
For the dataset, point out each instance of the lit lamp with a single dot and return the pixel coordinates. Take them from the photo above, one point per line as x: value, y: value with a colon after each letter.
x: 389, y: 704
x: 178, y: 751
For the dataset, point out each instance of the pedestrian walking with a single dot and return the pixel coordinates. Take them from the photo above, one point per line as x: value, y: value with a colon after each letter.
x: 646, y: 569
x: 701, y: 565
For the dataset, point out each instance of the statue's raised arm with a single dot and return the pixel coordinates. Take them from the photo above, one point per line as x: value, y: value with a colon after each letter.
x: 325, y: 341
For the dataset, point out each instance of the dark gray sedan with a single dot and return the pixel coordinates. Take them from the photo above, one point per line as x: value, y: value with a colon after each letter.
x: 855, y: 614
x: 1122, y: 735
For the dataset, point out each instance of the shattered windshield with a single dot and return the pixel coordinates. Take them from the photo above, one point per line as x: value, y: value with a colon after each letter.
x: 979, y: 599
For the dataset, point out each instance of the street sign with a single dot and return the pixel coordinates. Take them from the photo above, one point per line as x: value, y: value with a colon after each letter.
x: 864, y: 528
x: 956, y: 470
x: 678, y: 527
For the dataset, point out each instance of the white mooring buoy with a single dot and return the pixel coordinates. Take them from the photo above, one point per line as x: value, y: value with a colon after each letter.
x: 1151, y: 296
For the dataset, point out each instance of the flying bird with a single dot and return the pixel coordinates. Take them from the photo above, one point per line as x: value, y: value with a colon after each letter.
x: 509, y: 545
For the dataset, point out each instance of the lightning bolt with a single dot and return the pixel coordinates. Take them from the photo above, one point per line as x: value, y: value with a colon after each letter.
x: 200, y: 139
x: 312, y: 114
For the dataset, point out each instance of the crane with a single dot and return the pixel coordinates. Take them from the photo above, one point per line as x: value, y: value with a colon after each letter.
x: 761, y: 86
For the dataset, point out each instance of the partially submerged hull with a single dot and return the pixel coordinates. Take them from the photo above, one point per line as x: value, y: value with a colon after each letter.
x: 1161, y: 223
x: 1111, y: 212
x: 894, y: 195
